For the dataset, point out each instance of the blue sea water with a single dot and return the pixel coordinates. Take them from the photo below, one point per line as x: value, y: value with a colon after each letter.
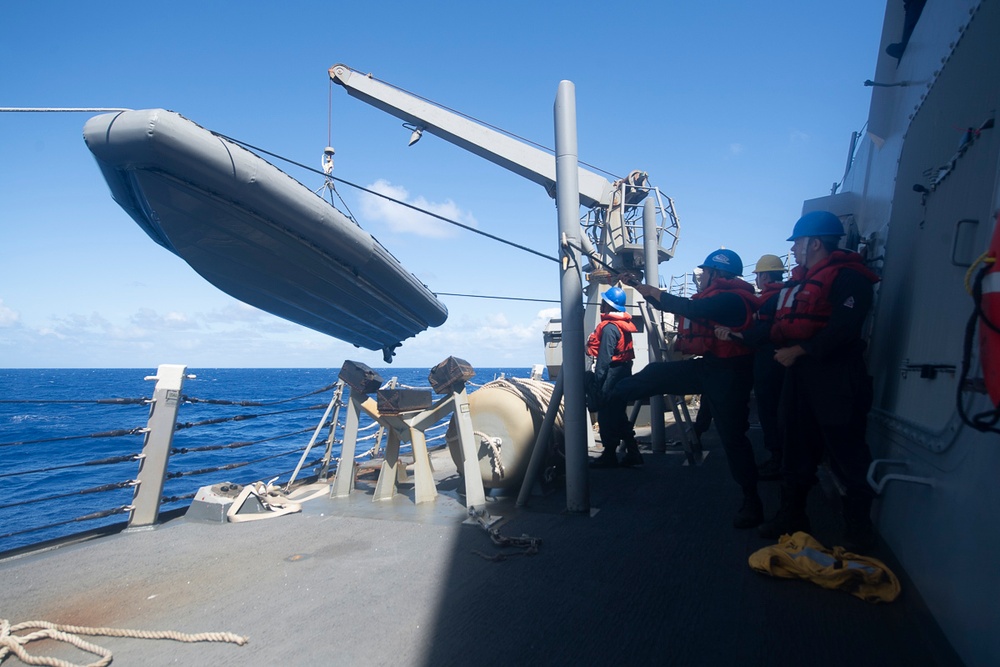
x: 49, y: 471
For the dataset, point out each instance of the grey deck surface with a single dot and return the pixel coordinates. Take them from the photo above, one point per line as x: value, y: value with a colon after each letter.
x: 655, y: 575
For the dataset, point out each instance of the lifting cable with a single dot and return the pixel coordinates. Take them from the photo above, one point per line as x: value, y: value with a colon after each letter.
x: 396, y: 201
x: 498, y: 298
x: 321, y: 173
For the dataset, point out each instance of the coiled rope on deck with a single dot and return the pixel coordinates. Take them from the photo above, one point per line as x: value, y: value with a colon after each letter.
x: 13, y: 643
x: 536, y: 394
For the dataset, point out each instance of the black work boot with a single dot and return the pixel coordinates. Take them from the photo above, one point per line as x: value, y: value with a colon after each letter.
x: 607, y: 459
x: 751, y: 511
x: 632, y: 456
x: 859, y: 533
x: 791, y: 516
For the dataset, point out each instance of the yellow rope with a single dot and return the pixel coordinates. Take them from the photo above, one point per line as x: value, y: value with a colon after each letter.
x: 12, y: 643
x: 982, y: 259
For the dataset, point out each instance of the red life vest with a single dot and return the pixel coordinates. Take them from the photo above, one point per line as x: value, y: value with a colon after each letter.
x: 804, y: 306
x: 765, y: 295
x: 698, y: 336
x: 989, y: 338
x: 624, y: 351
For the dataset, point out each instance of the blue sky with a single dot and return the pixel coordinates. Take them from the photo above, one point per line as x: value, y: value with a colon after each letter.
x: 738, y: 111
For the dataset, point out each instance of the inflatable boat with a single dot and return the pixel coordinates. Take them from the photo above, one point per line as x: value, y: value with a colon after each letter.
x: 256, y: 233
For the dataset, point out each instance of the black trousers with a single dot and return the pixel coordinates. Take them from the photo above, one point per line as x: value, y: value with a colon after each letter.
x: 824, y: 409
x: 767, y: 379
x: 724, y: 384
x: 612, y: 418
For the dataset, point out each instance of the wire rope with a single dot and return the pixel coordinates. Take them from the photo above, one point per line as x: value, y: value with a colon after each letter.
x: 388, y: 198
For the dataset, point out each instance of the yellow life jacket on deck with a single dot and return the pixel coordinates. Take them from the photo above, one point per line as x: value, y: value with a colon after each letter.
x: 801, y: 556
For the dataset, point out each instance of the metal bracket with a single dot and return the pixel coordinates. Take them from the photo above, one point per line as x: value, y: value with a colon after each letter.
x: 927, y: 371
x: 893, y: 477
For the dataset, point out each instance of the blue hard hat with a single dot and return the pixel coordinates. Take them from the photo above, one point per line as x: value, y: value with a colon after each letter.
x: 817, y: 223
x: 615, y: 297
x: 724, y: 260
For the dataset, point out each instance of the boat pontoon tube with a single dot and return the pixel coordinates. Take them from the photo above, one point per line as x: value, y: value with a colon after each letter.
x: 255, y: 232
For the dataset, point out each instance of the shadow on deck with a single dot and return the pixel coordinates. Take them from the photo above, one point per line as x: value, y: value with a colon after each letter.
x: 657, y: 575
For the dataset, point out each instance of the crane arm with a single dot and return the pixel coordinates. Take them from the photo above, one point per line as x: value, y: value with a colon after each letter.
x: 523, y: 159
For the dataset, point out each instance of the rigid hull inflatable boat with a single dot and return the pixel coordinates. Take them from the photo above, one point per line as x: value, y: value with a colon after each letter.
x: 256, y: 233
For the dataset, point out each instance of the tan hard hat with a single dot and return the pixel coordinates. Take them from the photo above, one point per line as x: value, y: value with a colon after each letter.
x: 769, y: 263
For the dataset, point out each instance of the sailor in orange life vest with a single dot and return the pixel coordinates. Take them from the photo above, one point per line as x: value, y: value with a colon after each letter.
x: 767, y: 373
x: 721, y: 371
x: 611, y: 344
x: 827, y: 391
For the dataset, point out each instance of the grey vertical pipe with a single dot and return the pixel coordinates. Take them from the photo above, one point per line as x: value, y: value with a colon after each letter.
x: 571, y: 297
x: 650, y: 247
x: 541, y: 444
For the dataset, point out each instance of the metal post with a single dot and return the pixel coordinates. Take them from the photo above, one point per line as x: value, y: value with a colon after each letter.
x: 343, y: 481
x: 391, y: 471
x: 571, y: 296
x: 156, y: 444
x: 650, y: 247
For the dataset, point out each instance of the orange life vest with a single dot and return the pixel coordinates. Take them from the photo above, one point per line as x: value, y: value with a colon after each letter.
x: 804, y: 306
x: 698, y: 336
x: 624, y: 351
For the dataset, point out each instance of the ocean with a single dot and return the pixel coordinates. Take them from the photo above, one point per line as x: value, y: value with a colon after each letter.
x: 68, y: 456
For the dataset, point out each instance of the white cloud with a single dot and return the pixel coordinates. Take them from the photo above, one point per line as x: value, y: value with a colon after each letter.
x: 798, y: 137
x: 547, y: 314
x: 239, y: 335
x: 149, y: 319
x: 8, y: 316
x: 735, y: 149
x: 403, y: 220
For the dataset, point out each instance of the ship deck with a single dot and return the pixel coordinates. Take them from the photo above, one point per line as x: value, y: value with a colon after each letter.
x: 655, y: 574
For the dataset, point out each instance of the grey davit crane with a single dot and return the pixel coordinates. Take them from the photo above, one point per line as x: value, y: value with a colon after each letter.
x: 613, y: 221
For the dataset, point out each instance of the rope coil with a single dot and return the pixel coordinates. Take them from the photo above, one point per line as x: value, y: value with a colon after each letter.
x: 14, y: 643
x: 494, y: 447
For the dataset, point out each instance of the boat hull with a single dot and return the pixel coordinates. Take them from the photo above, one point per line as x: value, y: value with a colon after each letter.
x: 256, y: 233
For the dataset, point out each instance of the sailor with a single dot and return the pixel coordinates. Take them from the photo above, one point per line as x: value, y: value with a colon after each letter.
x: 611, y: 345
x: 767, y: 373
x: 827, y: 392
x: 721, y: 371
